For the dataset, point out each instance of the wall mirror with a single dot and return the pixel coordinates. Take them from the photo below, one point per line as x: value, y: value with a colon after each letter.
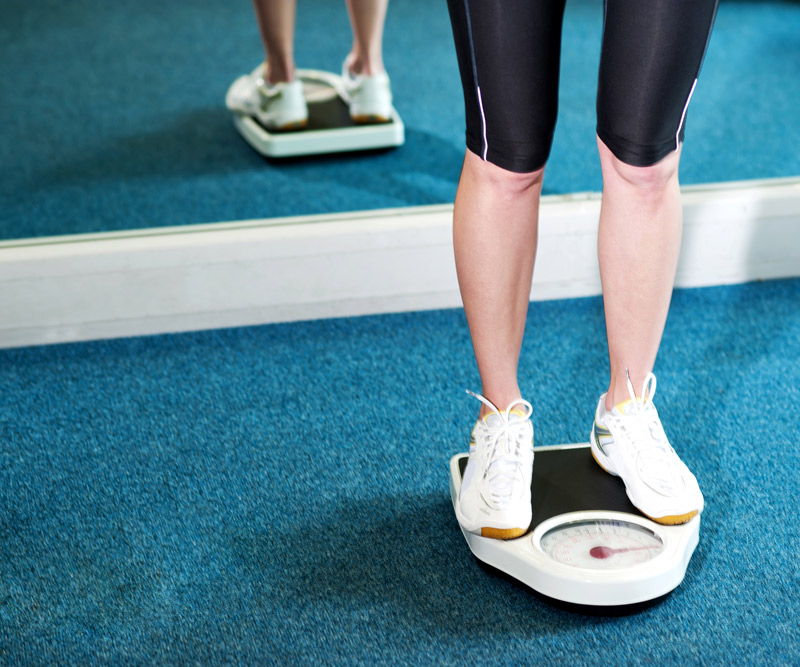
x: 112, y: 114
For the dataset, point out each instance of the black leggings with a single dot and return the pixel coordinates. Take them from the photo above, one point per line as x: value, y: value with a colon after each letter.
x: 509, y: 53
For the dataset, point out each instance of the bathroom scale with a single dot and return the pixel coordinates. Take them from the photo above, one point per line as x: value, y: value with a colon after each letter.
x: 330, y: 128
x: 587, y: 544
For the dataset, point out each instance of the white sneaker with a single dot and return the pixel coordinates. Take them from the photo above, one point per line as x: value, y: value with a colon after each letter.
x: 369, y: 97
x: 278, y: 107
x: 630, y: 442
x: 495, y: 496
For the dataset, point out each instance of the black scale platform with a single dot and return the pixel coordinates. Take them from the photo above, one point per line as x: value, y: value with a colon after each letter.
x: 569, y: 480
x: 328, y: 114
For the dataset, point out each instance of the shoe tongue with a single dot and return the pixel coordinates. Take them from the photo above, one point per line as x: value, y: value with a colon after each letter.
x: 493, y: 419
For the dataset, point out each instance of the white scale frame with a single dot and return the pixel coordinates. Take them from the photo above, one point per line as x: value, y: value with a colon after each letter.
x: 319, y: 86
x: 524, y: 558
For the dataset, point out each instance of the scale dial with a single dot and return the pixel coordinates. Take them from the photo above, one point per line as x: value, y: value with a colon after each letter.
x: 601, y: 544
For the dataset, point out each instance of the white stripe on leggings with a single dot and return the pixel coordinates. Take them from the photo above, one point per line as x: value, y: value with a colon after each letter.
x: 683, y: 117
x: 483, y: 124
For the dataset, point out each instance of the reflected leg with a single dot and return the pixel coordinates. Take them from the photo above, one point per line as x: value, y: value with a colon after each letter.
x: 276, y: 20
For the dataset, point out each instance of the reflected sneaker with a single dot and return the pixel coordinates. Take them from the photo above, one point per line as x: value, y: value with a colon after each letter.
x: 278, y: 106
x: 630, y: 442
x: 368, y: 97
x: 495, y: 496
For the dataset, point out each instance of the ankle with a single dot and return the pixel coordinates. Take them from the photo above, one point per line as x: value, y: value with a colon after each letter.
x: 506, y: 401
x: 276, y: 73
x: 613, y: 401
x: 364, y: 66
x: 618, y: 391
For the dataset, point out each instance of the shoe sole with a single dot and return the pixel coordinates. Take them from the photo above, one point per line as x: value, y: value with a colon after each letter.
x: 369, y: 119
x: 289, y: 127
x: 674, y: 520
x: 503, y: 533
x: 671, y: 520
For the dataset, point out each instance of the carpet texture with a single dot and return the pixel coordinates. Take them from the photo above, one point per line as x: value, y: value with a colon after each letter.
x: 279, y: 494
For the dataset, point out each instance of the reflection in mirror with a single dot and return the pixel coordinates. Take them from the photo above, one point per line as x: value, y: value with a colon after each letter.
x: 113, y: 114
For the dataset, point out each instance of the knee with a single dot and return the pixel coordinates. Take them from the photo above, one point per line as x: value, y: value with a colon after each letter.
x: 507, y: 183
x: 651, y: 179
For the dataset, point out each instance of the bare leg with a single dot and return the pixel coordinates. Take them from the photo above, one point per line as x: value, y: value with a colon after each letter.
x: 639, y: 241
x: 495, y: 231
x: 276, y: 22
x: 367, y: 18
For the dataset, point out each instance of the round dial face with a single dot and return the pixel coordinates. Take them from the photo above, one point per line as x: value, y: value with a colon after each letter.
x: 601, y: 544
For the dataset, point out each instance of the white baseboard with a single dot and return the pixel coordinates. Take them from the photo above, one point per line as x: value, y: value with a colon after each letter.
x: 83, y: 287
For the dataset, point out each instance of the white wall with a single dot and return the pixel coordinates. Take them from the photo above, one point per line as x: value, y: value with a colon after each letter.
x: 241, y: 273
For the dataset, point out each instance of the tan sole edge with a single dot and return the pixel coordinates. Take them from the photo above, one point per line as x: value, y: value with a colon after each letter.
x: 503, y: 533
x: 301, y: 125
x: 369, y: 120
x: 674, y: 520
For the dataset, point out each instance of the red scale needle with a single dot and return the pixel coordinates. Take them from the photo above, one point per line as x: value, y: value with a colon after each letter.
x: 607, y: 552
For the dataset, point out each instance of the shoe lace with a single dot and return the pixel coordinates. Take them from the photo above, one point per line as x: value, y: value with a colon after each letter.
x: 505, y: 450
x: 645, y: 431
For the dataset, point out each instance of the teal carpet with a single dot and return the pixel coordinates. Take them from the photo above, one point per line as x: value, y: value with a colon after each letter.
x: 112, y: 114
x: 279, y: 494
